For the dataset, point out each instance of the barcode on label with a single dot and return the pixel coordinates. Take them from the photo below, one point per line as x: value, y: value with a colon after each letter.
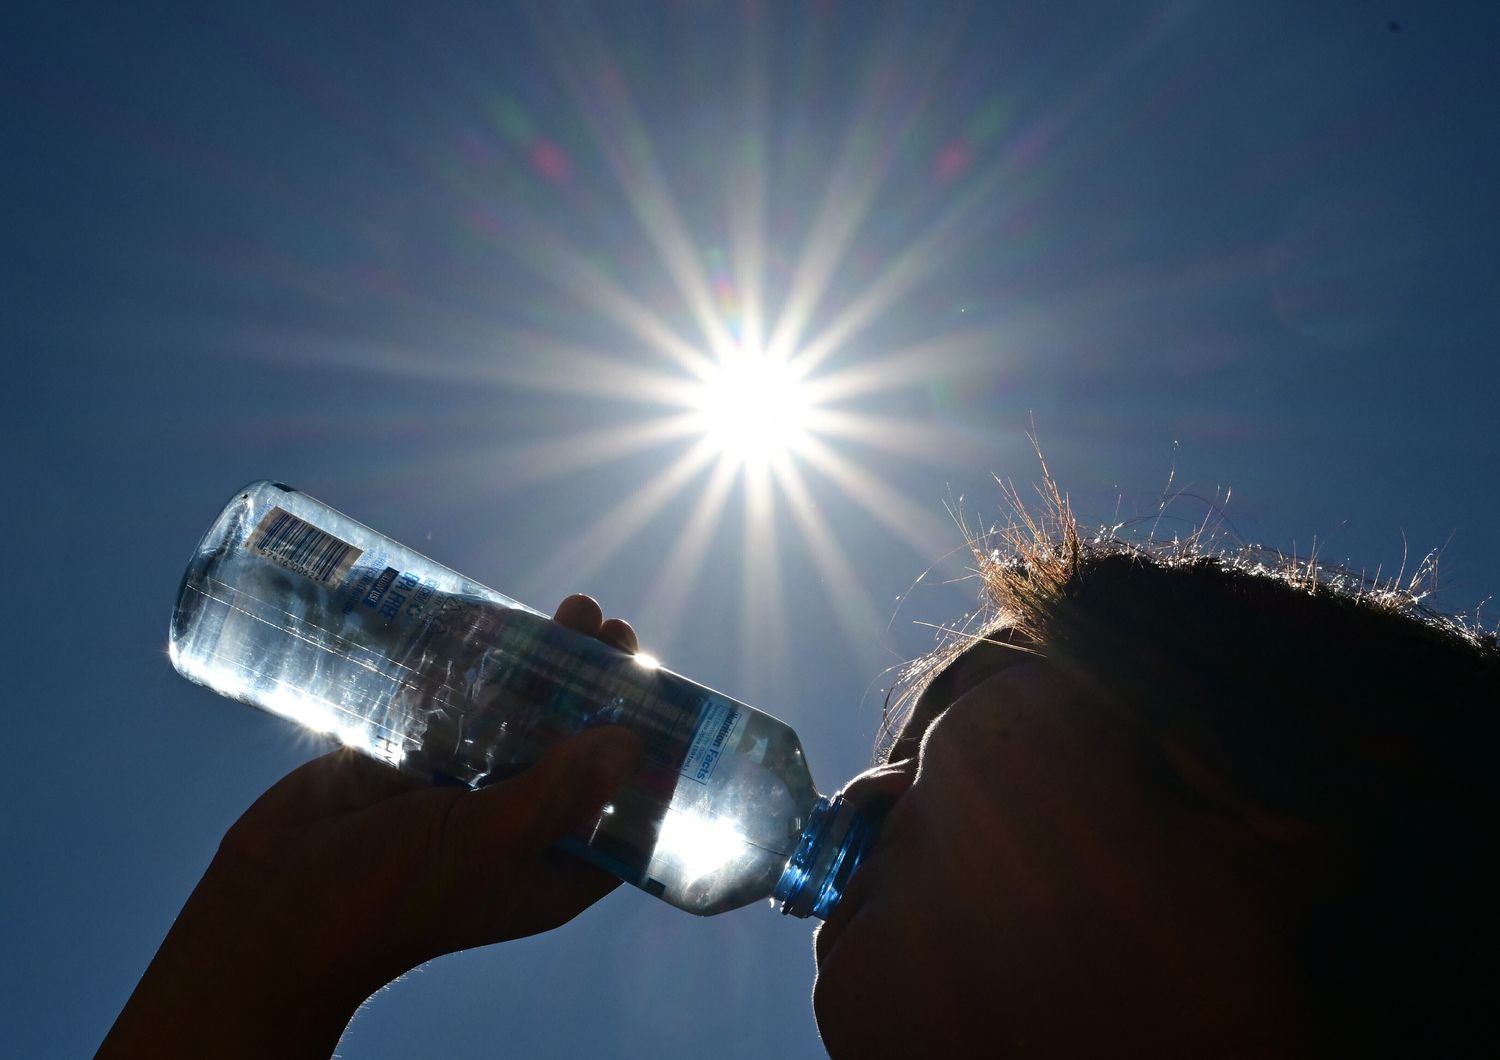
x: 299, y: 546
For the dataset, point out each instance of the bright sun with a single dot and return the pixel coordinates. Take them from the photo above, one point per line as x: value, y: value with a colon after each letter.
x: 754, y: 408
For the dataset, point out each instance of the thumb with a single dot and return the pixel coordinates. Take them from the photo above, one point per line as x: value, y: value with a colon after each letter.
x: 567, y: 788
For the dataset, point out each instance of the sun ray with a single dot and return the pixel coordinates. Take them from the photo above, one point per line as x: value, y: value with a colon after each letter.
x: 897, y: 435
x: 910, y: 366
x: 540, y: 362
x: 864, y: 160
x: 762, y: 599
x: 675, y: 578
x: 908, y: 268
x: 532, y: 359
x: 556, y: 456
x: 908, y: 522
x: 574, y: 273
x: 590, y: 549
x: 601, y: 95
x: 1013, y: 176
x: 857, y: 614
x: 272, y: 344
x: 747, y: 187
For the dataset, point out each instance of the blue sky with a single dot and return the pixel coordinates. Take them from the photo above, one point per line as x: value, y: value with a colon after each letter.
x: 456, y: 272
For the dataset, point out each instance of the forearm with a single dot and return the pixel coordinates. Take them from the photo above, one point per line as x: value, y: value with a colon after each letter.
x: 225, y: 985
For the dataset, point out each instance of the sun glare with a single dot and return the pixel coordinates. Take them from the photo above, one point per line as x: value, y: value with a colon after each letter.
x: 754, y: 408
x: 742, y: 357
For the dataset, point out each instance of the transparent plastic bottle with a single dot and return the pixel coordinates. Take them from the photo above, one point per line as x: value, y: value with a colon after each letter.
x: 297, y: 609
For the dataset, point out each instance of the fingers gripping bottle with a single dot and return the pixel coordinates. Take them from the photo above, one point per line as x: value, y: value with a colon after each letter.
x: 297, y: 609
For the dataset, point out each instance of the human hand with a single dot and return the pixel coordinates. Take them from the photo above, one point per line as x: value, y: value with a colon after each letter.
x: 346, y: 874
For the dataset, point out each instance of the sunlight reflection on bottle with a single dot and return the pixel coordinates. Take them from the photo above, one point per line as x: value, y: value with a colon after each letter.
x: 696, y: 845
x: 329, y: 720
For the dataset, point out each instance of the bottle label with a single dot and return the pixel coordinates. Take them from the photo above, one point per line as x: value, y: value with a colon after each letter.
x: 719, y: 725
x: 397, y: 596
x: 299, y: 546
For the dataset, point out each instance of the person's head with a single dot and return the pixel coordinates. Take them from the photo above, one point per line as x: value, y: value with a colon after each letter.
x: 1172, y: 804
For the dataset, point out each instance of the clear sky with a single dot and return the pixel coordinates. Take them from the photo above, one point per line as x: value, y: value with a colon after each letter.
x: 467, y: 271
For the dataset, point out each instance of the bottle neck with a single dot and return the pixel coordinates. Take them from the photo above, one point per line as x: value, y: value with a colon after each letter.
x: 831, y: 846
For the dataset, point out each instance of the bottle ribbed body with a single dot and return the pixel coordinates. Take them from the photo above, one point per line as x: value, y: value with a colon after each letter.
x: 293, y: 607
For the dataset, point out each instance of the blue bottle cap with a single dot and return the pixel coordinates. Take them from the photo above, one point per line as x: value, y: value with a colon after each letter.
x: 833, y: 842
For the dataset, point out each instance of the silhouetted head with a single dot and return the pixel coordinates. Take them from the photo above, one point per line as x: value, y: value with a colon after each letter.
x: 1169, y: 803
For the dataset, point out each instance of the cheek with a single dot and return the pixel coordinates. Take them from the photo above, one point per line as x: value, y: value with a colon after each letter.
x: 1021, y: 836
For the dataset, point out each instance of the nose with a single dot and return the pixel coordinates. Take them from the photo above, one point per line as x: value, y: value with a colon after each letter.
x: 875, y: 791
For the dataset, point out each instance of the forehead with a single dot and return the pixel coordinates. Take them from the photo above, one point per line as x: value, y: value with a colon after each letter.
x: 976, y: 663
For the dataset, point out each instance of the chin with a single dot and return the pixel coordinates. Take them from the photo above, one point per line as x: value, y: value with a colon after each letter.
x: 858, y: 1006
x: 847, y: 1029
x: 864, y: 1032
x: 836, y: 1008
x: 902, y: 993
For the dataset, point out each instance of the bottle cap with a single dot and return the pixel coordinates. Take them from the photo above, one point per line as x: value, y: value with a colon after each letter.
x: 833, y: 842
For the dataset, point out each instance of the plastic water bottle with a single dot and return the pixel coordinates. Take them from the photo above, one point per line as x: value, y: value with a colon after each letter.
x: 297, y: 609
